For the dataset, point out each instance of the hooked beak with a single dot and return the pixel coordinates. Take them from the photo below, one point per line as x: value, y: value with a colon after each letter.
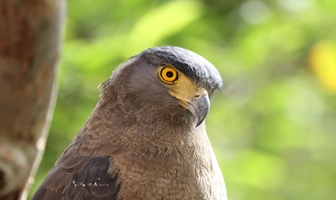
x: 199, y: 106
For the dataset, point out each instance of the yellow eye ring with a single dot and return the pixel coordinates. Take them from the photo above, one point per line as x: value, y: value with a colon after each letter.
x: 168, y: 74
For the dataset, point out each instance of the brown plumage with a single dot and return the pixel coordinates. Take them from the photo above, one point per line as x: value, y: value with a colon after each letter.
x: 146, y: 138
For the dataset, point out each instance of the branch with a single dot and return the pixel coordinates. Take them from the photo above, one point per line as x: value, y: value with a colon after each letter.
x: 29, y: 51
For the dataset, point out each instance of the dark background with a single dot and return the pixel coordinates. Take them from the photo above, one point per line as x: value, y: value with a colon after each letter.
x: 273, y: 128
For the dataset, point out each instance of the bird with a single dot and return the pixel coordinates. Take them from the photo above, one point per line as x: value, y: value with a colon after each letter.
x: 146, y: 137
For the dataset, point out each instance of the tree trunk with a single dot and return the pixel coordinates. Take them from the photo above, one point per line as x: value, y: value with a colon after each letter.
x: 30, y: 32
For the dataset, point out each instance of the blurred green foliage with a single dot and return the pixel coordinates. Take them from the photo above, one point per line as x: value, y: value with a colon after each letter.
x: 273, y: 127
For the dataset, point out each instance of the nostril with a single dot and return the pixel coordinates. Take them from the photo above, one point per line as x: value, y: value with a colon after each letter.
x: 200, y: 92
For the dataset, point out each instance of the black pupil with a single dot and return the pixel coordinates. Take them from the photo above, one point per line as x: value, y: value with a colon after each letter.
x: 169, y: 74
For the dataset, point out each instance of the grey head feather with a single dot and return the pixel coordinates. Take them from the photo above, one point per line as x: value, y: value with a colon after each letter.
x: 191, y: 64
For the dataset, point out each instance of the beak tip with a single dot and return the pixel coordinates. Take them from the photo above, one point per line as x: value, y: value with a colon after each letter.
x: 199, y: 122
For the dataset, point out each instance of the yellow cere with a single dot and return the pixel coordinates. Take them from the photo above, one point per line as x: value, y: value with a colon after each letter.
x: 180, y: 86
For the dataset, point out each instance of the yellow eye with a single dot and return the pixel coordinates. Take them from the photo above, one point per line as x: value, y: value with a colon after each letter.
x: 168, y: 74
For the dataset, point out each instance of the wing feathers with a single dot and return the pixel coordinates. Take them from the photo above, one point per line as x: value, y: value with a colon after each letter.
x: 79, y: 177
